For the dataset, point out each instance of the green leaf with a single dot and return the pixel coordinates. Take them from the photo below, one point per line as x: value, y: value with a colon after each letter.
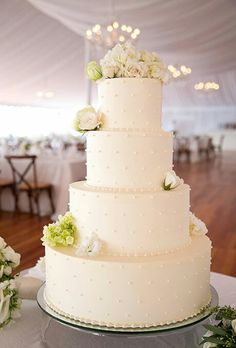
x: 213, y: 339
x: 215, y: 329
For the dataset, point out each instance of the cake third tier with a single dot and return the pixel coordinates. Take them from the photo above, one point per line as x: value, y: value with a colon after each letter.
x: 132, y: 223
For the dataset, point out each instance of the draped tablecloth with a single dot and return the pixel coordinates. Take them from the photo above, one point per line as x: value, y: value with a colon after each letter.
x: 58, y: 171
x: 26, y: 331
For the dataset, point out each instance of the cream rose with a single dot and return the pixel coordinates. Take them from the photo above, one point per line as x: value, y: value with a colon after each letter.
x: 87, y: 119
x: 1, y: 271
x: 11, y: 256
x: 7, y: 270
x: 109, y: 71
x: 2, y: 243
x: 135, y: 69
x: 196, y: 226
x: 4, y: 307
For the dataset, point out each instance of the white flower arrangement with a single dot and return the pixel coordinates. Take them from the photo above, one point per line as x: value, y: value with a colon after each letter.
x: 124, y: 61
x: 171, y: 181
x: 196, y: 226
x: 9, y: 300
x: 91, y: 246
x: 87, y: 119
x: 9, y: 259
x: 223, y: 332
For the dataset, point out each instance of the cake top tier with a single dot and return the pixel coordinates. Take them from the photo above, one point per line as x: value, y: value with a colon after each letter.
x: 130, y: 104
x: 129, y: 91
x: 125, y: 61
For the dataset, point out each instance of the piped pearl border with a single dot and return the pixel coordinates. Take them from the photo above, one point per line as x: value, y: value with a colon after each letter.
x: 118, y: 325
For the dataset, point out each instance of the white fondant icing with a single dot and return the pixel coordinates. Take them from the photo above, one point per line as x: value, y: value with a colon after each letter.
x: 157, y: 299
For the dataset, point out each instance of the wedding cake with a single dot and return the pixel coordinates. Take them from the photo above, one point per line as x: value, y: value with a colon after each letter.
x: 129, y: 253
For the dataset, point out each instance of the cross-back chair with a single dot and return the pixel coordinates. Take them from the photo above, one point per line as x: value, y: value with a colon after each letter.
x: 5, y: 184
x: 25, y: 180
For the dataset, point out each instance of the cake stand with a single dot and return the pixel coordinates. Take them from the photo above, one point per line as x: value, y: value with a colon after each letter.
x: 189, y: 330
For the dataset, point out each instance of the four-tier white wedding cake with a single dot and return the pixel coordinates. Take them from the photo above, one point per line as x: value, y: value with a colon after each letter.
x: 137, y: 257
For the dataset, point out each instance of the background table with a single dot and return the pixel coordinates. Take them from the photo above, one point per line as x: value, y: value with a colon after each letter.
x: 56, y: 170
x: 26, y: 332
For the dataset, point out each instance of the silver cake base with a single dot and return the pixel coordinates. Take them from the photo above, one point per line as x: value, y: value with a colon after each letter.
x: 181, y: 326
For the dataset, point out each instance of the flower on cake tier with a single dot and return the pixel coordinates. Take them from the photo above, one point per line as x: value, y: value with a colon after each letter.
x: 171, y: 181
x: 196, y: 226
x: 90, y: 246
x: 9, y: 302
x: 60, y: 233
x: 125, y: 61
x: 86, y: 120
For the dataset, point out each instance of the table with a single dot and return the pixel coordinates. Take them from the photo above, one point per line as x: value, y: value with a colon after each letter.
x: 26, y: 332
x: 58, y: 171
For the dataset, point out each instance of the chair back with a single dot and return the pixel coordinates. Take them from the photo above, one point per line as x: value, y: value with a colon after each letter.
x: 21, y: 171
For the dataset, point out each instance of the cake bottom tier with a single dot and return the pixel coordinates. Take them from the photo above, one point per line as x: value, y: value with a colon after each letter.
x: 131, y: 291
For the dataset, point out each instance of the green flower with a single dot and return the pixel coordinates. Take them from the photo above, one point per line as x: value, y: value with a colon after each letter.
x: 60, y: 233
x: 94, y: 71
x: 86, y: 120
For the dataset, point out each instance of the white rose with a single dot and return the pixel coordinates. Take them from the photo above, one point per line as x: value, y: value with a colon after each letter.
x: 118, y: 54
x: 1, y: 271
x: 156, y: 70
x: 12, y: 284
x: 7, y: 270
x: 155, y: 57
x: 196, y: 226
x: 135, y: 69
x: 11, y: 256
x: 146, y: 56
x: 109, y: 71
x: 2, y: 243
x: 86, y: 119
x: 4, y: 307
x: 90, y: 246
x: 130, y: 50
x: 171, y: 181
x: 233, y: 324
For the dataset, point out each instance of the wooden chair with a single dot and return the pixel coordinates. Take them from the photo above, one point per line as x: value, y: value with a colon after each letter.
x: 32, y: 188
x: 5, y: 184
x: 205, y: 147
x: 182, y: 145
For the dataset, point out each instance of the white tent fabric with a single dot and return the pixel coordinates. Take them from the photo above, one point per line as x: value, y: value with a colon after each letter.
x: 42, y: 48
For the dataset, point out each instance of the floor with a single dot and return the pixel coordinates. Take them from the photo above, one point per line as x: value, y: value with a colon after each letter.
x: 213, y: 199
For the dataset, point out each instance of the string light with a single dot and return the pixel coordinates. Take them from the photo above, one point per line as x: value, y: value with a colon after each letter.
x: 206, y: 86
x: 110, y: 34
x: 179, y: 71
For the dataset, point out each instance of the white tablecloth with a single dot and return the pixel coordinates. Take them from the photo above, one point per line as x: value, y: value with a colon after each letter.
x: 26, y: 332
x: 60, y: 172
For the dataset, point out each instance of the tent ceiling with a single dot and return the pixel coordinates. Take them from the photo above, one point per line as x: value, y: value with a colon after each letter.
x: 42, y: 46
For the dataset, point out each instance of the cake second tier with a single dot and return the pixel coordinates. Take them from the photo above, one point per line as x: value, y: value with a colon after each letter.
x: 132, y: 223
x: 128, y: 159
